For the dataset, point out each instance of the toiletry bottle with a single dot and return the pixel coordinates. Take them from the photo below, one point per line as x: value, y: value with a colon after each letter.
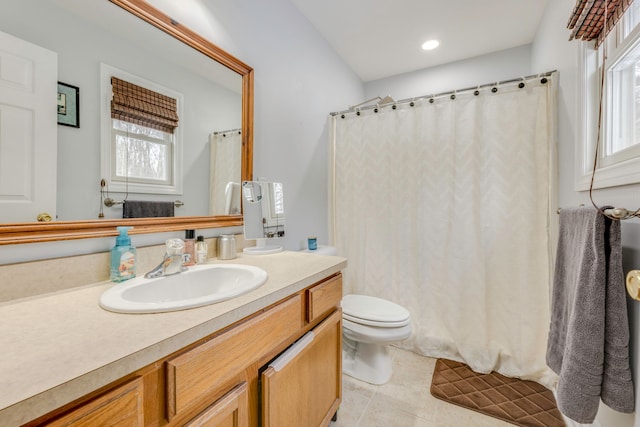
x: 312, y: 243
x: 201, y: 250
x: 123, y: 257
x: 190, y: 246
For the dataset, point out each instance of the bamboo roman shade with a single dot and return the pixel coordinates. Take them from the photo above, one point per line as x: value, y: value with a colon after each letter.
x: 587, y: 19
x: 141, y: 106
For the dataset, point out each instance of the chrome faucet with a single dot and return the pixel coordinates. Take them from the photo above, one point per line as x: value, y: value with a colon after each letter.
x: 171, y: 264
x: 173, y: 260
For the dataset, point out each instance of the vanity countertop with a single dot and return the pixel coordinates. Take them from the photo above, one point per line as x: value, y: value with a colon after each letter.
x: 58, y: 347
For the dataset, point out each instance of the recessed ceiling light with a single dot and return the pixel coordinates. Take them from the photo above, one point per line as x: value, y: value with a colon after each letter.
x: 430, y: 44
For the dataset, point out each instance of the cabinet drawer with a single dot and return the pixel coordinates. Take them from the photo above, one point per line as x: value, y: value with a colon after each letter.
x: 230, y: 410
x: 197, y: 374
x: 122, y: 406
x: 324, y: 297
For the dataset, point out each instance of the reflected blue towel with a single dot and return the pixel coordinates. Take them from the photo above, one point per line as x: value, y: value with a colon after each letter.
x: 588, y: 344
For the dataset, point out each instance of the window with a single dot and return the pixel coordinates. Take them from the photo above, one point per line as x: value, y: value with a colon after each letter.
x: 619, y: 147
x: 273, y: 209
x: 141, y: 149
x: 141, y: 154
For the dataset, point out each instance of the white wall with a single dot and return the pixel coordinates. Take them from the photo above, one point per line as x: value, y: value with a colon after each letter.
x: 471, y: 72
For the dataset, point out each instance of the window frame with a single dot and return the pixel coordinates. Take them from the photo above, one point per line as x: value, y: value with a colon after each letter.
x: 107, y: 150
x: 620, y: 168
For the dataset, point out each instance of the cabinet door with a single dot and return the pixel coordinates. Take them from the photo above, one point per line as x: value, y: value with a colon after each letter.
x: 303, y: 386
x: 120, y: 407
x: 231, y: 410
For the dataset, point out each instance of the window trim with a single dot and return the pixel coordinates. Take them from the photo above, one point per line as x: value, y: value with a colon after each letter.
x: 615, y: 173
x: 174, y: 189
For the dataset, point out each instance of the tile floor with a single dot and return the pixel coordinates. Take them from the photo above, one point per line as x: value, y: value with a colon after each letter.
x: 405, y: 401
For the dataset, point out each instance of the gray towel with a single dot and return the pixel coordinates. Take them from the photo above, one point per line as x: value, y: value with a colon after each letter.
x: 147, y: 209
x: 588, y: 344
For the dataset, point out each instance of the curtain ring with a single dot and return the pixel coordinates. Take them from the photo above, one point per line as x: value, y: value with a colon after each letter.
x: 342, y: 116
x: 521, y: 84
x: 453, y: 95
x: 477, y: 91
x: 544, y: 80
x: 494, y: 89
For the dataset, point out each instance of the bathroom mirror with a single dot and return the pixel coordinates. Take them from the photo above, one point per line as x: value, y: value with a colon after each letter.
x: 263, y: 208
x: 128, y: 14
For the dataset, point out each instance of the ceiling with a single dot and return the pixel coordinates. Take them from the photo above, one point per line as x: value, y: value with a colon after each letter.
x: 382, y: 38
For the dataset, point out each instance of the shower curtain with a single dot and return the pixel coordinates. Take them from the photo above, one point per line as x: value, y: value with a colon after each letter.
x: 225, y: 163
x: 448, y: 209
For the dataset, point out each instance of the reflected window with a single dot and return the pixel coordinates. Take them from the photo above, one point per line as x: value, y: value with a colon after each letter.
x: 142, y: 135
x: 141, y: 154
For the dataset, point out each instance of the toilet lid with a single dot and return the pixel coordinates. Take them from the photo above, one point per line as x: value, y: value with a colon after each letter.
x: 369, y: 310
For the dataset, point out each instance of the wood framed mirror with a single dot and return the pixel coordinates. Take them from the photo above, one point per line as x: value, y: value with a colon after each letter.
x: 35, y: 232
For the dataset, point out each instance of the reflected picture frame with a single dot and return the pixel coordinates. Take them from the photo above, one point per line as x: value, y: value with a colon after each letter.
x: 68, y: 105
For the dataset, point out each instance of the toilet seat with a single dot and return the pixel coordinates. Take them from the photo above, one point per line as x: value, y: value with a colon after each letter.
x: 372, y: 311
x: 368, y: 322
x: 367, y: 334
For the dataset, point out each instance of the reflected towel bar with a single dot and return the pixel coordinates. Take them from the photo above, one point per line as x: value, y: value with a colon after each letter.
x: 109, y: 202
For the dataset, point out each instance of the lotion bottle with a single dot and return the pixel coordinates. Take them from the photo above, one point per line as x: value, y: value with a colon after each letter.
x: 123, y: 257
x: 202, y: 249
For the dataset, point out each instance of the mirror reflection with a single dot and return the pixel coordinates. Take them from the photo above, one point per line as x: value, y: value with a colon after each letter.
x: 264, y: 218
x: 85, y: 36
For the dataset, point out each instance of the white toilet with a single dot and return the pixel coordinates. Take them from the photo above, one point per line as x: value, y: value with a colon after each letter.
x: 369, y: 324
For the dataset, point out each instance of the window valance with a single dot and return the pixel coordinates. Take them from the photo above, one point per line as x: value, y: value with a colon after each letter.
x: 141, y: 106
x: 587, y: 21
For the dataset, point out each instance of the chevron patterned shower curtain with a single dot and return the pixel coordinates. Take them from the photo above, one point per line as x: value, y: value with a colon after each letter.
x: 225, y: 152
x: 448, y: 209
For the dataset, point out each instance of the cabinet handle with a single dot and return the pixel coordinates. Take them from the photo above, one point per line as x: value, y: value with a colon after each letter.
x: 290, y: 353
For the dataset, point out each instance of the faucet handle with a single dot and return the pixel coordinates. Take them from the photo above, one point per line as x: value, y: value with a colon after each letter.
x: 174, y: 246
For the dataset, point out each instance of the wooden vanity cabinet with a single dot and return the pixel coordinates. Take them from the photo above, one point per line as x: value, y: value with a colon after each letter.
x: 216, y: 381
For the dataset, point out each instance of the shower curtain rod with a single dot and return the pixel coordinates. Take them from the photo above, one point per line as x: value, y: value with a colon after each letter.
x: 448, y: 93
x: 228, y: 131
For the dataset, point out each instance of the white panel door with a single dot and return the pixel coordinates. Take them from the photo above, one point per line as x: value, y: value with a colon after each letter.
x: 28, y: 131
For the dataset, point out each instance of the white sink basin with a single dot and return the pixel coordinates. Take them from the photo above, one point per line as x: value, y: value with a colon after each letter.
x: 199, y: 285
